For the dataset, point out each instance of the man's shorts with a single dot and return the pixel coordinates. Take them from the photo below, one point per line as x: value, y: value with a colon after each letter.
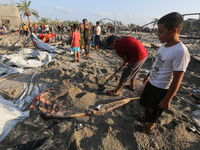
x: 150, y: 98
x: 131, y: 71
x: 96, y: 42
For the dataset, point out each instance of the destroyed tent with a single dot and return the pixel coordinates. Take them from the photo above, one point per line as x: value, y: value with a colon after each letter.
x: 13, y: 108
x: 46, y: 46
x: 27, y: 58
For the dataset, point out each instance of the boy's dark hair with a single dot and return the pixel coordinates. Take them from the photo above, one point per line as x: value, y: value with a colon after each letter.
x: 75, y: 26
x: 111, y: 39
x: 172, y: 20
x: 84, y: 19
x: 97, y: 22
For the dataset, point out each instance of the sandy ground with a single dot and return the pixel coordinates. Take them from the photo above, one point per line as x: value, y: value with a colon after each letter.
x: 109, y: 131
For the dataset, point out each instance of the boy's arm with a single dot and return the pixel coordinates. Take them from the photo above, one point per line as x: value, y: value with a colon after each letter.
x: 177, y: 78
x: 146, y: 79
x: 72, y: 42
x: 125, y: 58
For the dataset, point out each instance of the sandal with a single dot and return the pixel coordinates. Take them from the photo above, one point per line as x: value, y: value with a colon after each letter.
x: 111, y: 93
x: 128, y: 87
x: 141, y: 118
x: 144, y: 129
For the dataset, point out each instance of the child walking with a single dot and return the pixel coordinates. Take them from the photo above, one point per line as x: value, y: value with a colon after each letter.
x: 75, y: 42
x: 166, y: 73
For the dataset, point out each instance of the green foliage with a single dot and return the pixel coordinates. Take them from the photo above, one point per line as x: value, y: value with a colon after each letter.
x: 131, y: 25
x: 90, y: 24
x: 24, y: 7
x: 44, y: 20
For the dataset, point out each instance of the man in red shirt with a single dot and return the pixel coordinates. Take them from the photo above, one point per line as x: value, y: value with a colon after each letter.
x: 134, y: 55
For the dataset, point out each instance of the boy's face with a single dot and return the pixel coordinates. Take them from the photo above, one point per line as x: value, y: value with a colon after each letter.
x: 164, y: 35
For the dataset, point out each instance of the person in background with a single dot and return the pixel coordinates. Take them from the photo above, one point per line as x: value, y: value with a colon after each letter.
x: 81, y: 29
x: 47, y: 28
x: 75, y: 42
x: 25, y: 29
x: 35, y: 28
x: 97, y: 35
x: 87, y: 38
x: 30, y: 27
x: 93, y: 31
x: 4, y: 28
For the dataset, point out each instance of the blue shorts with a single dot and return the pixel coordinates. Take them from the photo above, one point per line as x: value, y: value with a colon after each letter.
x: 76, y: 49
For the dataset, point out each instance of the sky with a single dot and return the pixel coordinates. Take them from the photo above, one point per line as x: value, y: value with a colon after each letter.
x: 138, y: 12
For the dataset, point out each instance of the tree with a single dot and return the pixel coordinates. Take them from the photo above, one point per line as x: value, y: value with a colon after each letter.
x: 25, y: 10
x: 44, y: 20
x: 132, y: 25
x: 90, y: 24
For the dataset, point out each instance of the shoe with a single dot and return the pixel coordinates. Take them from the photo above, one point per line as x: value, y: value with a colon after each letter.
x: 144, y: 129
x: 128, y: 87
x: 111, y: 93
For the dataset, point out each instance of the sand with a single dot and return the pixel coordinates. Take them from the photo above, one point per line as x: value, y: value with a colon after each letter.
x: 111, y: 130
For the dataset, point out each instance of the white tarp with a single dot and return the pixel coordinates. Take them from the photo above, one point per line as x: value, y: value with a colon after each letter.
x: 5, y: 70
x: 13, y: 110
x: 27, y: 58
x: 10, y: 115
x: 46, y: 46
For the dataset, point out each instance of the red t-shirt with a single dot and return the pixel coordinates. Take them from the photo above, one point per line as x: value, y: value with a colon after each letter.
x: 133, y: 49
x: 76, y: 37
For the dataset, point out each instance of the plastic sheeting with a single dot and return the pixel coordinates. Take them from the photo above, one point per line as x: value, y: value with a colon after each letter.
x: 46, y: 46
x: 5, y: 70
x: 27, y: 58
x: 14, y: 110
x: 10, y: 115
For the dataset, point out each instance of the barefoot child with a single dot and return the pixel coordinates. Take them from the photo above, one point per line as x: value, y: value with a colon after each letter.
x: 166, y: 73
x: 134, y: 55
x: 75, y: 42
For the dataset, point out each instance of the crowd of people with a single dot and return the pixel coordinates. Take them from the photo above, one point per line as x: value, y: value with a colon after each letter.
x: 24, y: 29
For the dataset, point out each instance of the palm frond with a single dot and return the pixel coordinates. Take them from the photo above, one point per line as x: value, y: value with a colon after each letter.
x: 24, y: 7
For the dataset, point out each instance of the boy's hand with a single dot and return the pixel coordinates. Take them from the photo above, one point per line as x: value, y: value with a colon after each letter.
x: 146, y: 79
x: 164, y: 104
x: 125, y: 64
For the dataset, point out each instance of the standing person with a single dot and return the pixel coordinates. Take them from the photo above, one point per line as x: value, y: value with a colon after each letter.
x: 4, y: 28
x: 35, y: 28
x: 93, y: 32
x: 134, y: 55
x: 75, y: 42
x: 87, y: 38
x: 47, y: 28
x: 58, y: 27
x: 166, y: 73
x: 30, y: 27
x: 97, y: 35
x: 81, y: 28
x: 25, y: 29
